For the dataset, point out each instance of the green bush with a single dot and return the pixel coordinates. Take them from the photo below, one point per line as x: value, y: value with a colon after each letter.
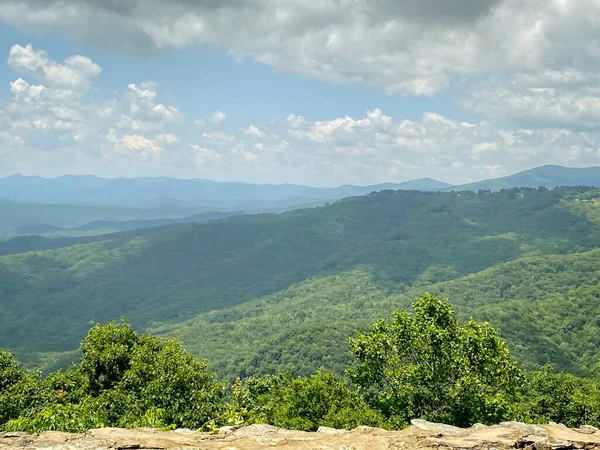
x: 551, y: 396
x: 430, y: 366
x: 123, y: 380
x: 302, y: 403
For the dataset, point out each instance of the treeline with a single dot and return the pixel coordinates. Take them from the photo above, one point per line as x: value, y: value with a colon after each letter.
x: 421, y: 365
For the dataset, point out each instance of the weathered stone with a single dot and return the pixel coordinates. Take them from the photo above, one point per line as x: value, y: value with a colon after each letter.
x: 526, y: 428
x: 329, y: 430
x: 444, y: 430
x: 227, y: 430
x: 260, y: 430
x: 14, y: 434
x: 422, y: 435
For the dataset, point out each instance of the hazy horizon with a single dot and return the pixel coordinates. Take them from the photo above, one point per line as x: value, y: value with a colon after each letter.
x: 299, y: 184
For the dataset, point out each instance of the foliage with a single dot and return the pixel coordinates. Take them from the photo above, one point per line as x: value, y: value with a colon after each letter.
x: 426, y: 365
x: 525, y: 260
x: 167, y: 275
x: 302, y: 403
x: 10, y: 370
x: 551, y: 396
x: 123, y: 380
x: 430, y: 366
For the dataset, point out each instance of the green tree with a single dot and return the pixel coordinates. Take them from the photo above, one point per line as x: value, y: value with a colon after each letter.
x: 10, y: 370
x: 123, y: 380
x: 20, y: 391
x: 429, y: 366
x: 551, y: 396
x: 302, y: 403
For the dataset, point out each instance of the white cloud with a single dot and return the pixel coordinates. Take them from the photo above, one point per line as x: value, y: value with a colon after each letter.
x: 253, y: 131
x: 533, y: 117
x: 26, y: 93
x: 246, y: 154
x: 167, y: 139
x: 215, y: 119
x: 218, y: 136
x: 533, y: 61
x: 205, y: 156
x: 10, y: 140
x: 403, y: 46
x: 555, y: 100
x: 135, y: 145
x: 75, y: 73
x: 144, y: 113
x: 344, y: 130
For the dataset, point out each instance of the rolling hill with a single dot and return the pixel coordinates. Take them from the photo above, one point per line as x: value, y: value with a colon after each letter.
x: 113, y: 226
x: 547, y: 176
x: 226, y: 287
x: 547, y: 308
x: 54, y: 217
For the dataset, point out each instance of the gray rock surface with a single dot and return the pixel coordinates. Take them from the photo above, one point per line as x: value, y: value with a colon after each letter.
x: 422, y: 435
x: 445, y: 430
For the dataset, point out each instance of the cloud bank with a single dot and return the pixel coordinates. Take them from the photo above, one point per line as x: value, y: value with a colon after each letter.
x: 528, y: 68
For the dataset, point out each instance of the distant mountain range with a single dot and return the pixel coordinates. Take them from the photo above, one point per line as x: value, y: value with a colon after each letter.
x: 548, y: 176
x: 158, y: 192
x: 72, y: 205
x: 173, y: 192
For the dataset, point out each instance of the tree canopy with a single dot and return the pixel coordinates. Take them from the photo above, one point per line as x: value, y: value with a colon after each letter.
x: 428, y: 365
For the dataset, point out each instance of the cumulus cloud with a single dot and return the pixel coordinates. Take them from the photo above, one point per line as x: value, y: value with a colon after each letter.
x: 144, y: 113
x: 434, y: 144
x: 536, y: 99
x: 167, y: 139
x: 135, y: 145
x: 403, y: 46
x: 216, y: 119
x: 566, y: 99
x: 204, y: 156
x: 75, y: 73
x: 253, y: 131
x: 56, y: 116
x: 246, y: 154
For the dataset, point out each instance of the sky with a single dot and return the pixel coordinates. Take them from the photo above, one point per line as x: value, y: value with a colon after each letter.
x: 293, y: 91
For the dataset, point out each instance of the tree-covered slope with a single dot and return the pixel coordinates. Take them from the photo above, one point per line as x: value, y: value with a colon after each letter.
x: 547, y: 308
x: 56, y: 216
x: 168, y: 275
x: 549, y: 176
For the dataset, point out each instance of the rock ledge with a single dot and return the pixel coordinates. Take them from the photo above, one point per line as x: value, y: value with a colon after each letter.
x: 421, y: 435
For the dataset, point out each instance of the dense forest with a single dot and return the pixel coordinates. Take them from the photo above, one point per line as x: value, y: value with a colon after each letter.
x: 520, y: 258
x: 293, y: 319
x: 425, y: 364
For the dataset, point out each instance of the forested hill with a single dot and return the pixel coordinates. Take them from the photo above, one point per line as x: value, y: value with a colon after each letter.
x: 549, y: 176
x: 165, y: 278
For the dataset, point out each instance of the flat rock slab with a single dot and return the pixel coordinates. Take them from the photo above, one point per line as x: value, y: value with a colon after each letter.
x: 422, y: 435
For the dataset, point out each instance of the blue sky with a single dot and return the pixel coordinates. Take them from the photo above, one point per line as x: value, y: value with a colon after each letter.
x: 281, y: 91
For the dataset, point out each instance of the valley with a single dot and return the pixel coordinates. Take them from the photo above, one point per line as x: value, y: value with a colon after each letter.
x: 516, y: 257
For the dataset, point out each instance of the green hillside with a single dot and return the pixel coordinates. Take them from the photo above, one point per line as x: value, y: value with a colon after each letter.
x: 547, y: 308
x: 549, y: 176
x: 56, y: 216
x: 253, y: 293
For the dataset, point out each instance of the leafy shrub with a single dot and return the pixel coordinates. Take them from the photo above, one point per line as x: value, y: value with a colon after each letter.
x: 123, y: 380
x: 302, y: 403
x: 429, y: 366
